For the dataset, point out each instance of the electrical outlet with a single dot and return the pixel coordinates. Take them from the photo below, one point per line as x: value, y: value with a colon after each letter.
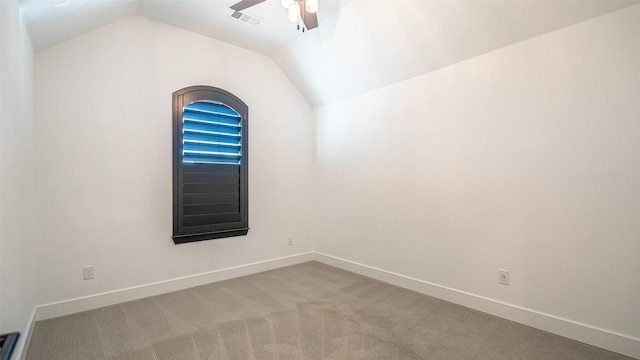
x: 290, y: 240
x: 503, y: 277
x: 87, y: 272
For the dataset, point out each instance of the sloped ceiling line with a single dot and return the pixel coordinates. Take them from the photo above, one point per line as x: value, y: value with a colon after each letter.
x: 361, y: 45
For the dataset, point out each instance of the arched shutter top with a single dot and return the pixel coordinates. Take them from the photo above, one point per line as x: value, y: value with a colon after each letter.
x: 212, y: 133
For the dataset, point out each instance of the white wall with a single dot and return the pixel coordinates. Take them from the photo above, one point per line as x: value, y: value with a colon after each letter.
x: 17, y: 220
x: 525, y: 158
x: 103, y: 131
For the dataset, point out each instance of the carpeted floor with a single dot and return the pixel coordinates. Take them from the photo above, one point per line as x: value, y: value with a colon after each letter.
x: 306, y: 311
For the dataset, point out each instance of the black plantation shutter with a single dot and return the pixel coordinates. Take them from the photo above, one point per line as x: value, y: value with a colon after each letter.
x: 210, y: 164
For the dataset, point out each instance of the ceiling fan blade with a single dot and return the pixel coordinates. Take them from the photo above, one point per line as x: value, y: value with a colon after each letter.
x: 245, y: 4
x: 310, y: 19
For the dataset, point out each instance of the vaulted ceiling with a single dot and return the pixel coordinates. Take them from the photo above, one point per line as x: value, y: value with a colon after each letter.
x: 359, y: 46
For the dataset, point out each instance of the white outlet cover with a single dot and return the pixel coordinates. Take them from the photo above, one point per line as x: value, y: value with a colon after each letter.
x: 503, y: 277
x: 88, y: 272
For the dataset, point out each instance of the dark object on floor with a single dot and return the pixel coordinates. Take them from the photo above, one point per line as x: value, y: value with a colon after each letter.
x: 7, y: 343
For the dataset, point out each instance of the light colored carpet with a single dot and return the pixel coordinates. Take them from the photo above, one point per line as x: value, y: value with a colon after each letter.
x: 306, y: 311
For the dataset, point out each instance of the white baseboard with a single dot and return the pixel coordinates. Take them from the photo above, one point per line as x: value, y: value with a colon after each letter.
x: 620, y: 343
x: 19, y: 352
x: 71, y: 306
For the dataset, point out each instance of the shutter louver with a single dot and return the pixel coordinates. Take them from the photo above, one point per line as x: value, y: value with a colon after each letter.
x: 212, y: 134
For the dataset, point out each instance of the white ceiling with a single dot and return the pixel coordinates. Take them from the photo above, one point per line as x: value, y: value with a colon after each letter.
x: 53, y: 21
x: 359, y: 46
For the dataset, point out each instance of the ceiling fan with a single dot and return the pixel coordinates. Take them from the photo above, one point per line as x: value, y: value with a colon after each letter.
x: 304, y: 10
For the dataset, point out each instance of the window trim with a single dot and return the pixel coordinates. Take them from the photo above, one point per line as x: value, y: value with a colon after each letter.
x: 180, y: 99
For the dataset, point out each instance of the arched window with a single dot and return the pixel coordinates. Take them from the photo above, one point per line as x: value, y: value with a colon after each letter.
x: 209, y: 164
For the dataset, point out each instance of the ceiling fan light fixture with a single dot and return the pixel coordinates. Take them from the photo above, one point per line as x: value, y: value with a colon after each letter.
x: 311, y: 6
x: 294, y: 12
